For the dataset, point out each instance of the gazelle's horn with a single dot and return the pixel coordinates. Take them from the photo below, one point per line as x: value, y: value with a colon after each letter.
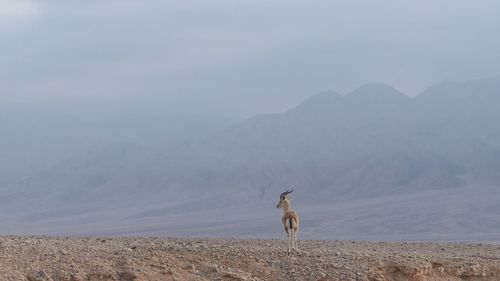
x: 286, y: 193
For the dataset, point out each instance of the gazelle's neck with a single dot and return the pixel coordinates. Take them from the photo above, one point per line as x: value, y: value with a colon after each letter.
x: 287, y: 206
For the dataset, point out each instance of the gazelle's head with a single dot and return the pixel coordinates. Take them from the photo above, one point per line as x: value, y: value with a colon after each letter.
x: 284, y: 199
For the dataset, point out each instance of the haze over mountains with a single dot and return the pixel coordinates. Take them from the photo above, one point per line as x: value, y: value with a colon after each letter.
x: 371, y: 164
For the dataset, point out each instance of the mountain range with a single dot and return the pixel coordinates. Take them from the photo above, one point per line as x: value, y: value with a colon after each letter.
x: 370, y: 164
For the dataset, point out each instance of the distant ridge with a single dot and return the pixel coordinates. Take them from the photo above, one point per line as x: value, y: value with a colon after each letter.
x: 340, y: 137
x: 376, y: 90
x: 371, y: 153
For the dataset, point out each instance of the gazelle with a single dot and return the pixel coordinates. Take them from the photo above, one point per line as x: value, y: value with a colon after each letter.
x: 290, y: 220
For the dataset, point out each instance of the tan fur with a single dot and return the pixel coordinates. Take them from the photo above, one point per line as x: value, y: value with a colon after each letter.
x: 289, y: 214
x: 295, y: 220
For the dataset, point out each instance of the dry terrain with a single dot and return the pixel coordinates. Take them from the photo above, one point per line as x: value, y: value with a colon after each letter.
x: 127, y: 259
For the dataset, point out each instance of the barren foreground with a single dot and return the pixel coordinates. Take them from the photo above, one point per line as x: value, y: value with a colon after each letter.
x: 48, y: 258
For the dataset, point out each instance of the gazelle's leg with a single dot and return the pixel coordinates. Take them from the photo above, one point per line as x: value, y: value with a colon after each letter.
x: 296, y: 246
x: 290, y: 241
x: 289, y: 232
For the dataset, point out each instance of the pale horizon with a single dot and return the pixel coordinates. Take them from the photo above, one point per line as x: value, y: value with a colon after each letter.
x: 238, y: 58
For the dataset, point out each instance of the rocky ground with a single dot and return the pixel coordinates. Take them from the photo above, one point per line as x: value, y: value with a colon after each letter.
x: 127, y: 259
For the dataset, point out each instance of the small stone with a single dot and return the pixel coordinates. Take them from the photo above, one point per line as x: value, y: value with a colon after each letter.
x: 190, y: 267
x: 39, y: 276
x: 75, y: 278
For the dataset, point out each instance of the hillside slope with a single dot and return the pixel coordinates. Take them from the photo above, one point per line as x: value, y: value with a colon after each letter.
x: 433, y: 158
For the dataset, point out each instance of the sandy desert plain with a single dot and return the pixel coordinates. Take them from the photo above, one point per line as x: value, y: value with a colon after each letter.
x: 39, y: 258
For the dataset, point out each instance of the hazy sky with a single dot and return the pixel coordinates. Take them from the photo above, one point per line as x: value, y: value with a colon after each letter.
x: 240, y: 57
